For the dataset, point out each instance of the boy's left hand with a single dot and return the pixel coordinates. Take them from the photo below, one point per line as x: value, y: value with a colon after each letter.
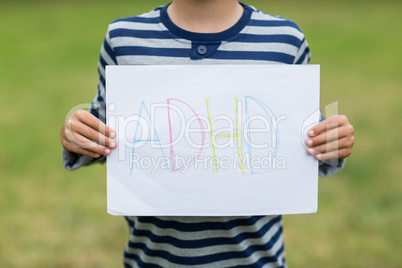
x: 331, y: 138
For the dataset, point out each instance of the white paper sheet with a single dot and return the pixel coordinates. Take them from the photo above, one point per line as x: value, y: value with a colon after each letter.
x: 212, y: 140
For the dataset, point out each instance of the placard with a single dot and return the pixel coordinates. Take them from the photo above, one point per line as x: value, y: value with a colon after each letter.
x: 212, y: 140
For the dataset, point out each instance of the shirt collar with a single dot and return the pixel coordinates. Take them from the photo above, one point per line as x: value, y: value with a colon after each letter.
x: 206, y: 37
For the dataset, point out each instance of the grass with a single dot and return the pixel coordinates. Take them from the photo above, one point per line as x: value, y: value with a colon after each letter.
x: 55, y: 218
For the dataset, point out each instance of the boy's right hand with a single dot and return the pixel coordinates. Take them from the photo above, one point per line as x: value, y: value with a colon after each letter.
x: 85, y: 134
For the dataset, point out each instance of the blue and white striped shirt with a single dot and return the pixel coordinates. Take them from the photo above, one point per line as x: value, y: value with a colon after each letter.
x: 152, y: 38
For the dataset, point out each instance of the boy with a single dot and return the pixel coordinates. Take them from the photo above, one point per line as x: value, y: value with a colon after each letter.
x: 200, y: 32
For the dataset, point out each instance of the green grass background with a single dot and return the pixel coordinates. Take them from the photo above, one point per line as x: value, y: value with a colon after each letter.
x: 54, y: 218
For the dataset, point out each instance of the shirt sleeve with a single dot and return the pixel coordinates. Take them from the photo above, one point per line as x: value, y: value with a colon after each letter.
x: 303, y: 54
x: 330, y: 166
x: 72, y: 161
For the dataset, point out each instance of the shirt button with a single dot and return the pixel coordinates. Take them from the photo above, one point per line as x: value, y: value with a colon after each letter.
x: 202, y: 50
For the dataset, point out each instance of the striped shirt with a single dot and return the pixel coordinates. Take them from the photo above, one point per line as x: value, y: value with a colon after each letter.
x: 152, y: 38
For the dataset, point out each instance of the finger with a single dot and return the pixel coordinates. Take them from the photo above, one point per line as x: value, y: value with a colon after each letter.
x: 77, y: 139
x: 94, y: 135
x: 330, y: 146
x: 338, y: 154
x: 328, y: 136
x: 85, y: 143
x: 75, y: 149
x: 329, y: 123
x: 94, y: 122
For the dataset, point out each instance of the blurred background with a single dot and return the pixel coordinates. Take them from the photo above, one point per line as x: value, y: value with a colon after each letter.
x: 51, y: 217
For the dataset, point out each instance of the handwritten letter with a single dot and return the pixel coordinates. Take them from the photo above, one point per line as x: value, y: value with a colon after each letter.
x: 212, y: 140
